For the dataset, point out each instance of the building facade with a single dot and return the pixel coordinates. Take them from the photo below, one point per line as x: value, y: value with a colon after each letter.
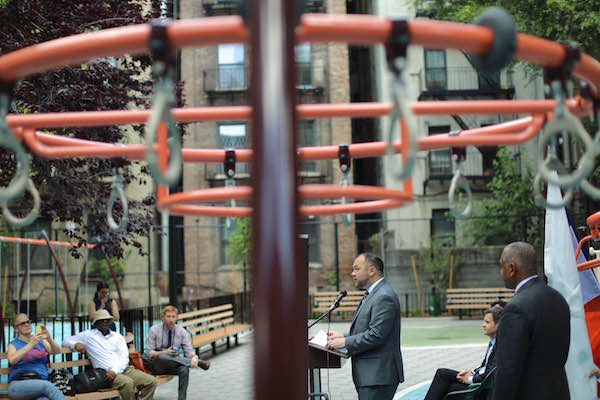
x: 219, y: 76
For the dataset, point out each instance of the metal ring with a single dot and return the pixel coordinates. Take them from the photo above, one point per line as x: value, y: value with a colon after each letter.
x: 117, y: 192
x: 33, y: 214
x: 564, y: 121
x: 585, y: 165
x: 402, y: 113
x: 161, y: 111
x: 459, y: 181
x: 541, y: 202
x: 18, y: 184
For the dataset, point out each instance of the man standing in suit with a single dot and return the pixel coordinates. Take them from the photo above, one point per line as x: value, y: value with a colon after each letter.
x: 534, y: 332
x: 374, y: 338
x: 449, y: 380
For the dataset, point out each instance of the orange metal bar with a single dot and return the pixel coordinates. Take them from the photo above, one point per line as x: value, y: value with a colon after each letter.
x: 305, y: 211
x: 40, y: 242
x: 580, y: 244
x: 577, y: 105
x: 117, y: 42
x: 351, y: 29
x: 309, y: 191
x: 588, y: 264
x: 512, y: 132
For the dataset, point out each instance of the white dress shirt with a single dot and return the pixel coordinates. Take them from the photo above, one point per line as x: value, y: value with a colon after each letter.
x: 524, y: 281
x: 481, y: 370
x: 107, y: 352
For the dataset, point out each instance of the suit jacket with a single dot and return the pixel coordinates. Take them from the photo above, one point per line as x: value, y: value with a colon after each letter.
x: 374, y: 339
x: 533, y: 343
x: 490, y: 364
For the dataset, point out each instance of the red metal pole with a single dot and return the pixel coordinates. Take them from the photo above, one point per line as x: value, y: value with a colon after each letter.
x: 280, y: 283
x: 64, y: 280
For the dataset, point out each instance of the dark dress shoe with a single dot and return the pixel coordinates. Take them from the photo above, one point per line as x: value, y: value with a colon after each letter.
x: 204, y: 364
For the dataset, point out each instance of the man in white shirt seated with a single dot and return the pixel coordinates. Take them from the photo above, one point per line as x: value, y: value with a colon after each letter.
x: 449, y: 380
x: 107, y: 350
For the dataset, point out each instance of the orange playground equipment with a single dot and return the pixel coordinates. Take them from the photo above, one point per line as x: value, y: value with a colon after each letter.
x: 275, y: 196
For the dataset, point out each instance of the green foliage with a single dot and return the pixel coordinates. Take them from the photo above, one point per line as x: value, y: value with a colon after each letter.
x: 509, y: 214
x: 562, y: 20
x: 436, y: 260
x: 374, y: 243
x: 332, y: 278
x: 99, y: 268
x: 240, y: 241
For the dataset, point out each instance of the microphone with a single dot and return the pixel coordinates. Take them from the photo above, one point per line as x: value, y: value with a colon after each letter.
x: 339, y: 298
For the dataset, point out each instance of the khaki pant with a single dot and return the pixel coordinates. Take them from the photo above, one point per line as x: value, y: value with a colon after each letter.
x: 131, y: 379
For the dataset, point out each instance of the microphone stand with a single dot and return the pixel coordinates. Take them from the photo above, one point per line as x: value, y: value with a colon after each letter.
x: 328, y: 314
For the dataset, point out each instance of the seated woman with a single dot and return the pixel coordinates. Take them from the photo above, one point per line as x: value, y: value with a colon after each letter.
x: 449, y: 380
x: 28, y: 359
x: 102, y: 301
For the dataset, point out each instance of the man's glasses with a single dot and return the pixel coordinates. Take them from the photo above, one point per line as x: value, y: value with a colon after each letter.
x: 28, y: 322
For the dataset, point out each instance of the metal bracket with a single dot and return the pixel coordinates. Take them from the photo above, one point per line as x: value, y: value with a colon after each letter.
x: 397, y: 44
x: 344, y: 158
x: 229, y: 163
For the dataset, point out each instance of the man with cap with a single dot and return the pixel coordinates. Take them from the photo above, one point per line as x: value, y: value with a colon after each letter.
x: 107, y: 350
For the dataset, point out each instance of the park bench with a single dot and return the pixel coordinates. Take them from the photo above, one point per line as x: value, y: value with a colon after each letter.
x: 321, y: 301
x: 68, y: 364
x: 208, y: 325
x: 477, y: 299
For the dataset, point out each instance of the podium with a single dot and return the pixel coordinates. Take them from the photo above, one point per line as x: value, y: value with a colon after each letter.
x: 321, y: 357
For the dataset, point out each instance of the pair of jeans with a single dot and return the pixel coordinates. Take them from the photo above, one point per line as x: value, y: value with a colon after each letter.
x: 173, y: 365
x: 34, y: 389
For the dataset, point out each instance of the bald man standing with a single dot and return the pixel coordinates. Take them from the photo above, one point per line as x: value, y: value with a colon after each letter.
x: 534, y: 333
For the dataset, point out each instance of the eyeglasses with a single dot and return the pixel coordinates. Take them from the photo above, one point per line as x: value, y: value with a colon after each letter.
x: 28, y: 322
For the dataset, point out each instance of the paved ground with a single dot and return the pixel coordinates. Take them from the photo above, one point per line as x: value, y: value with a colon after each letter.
x: 427, y: 344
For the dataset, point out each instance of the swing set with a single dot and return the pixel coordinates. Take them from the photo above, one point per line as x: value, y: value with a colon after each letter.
x: 280, y: 317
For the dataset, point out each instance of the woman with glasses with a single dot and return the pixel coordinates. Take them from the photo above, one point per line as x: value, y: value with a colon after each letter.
x: 28, y: 359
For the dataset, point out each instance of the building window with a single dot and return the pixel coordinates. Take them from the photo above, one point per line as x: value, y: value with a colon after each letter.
x: 435, y: 69
x: 232, y: 136
x: 440, y: 161
x: 488, y: 155
x: 311, y: 227
x: 303, y: 56
x: 39, y: 258
x: 489, y: 80
x: 231, y: 71
x: 226, y: 229
x: 307, y: 136
x: 442, y: 227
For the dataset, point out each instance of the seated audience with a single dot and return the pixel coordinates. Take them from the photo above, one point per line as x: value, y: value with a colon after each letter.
x: 449, y: 380
x: 102, y: 301
x: 165, y: 341
x: 28, y: 359
x: 107, y: 350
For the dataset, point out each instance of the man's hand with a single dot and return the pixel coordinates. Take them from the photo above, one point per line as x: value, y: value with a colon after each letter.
x: 463, y: 376
x: 110, y: 375
x: 336, y: 343
x: 595, y: 373
x: 334, y: 335
x: 80, y: 348
x: 194, y: 361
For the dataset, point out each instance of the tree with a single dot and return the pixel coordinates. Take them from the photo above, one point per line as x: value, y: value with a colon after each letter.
x: 240, y: 242
x: 78, y: 189
x: 509, y: 213
x: 558, y: 20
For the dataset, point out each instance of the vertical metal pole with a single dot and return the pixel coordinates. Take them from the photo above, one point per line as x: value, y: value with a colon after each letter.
x: 29, y: 278
x: 280, y: 281
x: 337, y: 255
x: 150, y: 267
x: 382, y: 244
x: 18, y: 258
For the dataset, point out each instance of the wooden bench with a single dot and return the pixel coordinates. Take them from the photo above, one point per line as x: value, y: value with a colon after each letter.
x: 321, y: 301
x: 68, y: 364
x: 475, y: 298
x: 208, y: 325
x: 160, y: 379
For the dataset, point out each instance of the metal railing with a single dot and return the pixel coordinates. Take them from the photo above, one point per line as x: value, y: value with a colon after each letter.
x: 462, y: 78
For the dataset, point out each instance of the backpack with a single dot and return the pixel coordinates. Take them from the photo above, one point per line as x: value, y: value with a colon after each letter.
x: 89, y: 380
x: 60, y: 379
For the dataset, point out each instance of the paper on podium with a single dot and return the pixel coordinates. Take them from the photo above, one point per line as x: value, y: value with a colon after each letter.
x: 320, y: 339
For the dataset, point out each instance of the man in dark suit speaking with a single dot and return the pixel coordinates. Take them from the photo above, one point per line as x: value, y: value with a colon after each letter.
x: 374, y: 338
x: 534, y: 332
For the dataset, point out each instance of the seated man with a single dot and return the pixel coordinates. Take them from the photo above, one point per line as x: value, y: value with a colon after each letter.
x: 164, y: 342
x: 108, y: 350
x: 449, y: 380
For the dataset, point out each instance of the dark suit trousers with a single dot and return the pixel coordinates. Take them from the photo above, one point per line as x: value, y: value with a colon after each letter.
x: 380, y: 392
x: 444, y: 382
x: 173, y: 365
